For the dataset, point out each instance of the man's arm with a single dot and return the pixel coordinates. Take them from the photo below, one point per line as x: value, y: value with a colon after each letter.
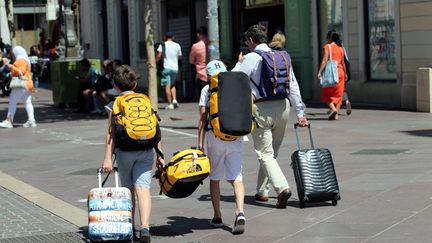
x: 192, y: 55
x: 296, y: 99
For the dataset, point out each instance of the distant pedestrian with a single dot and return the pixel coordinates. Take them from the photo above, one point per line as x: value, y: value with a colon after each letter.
x: 169, y: 74
x: 36, y: 67
x: 199, y: 57
x: 345, y: 97
x: 87, y: 83
x: 278, y: 41
x: 270, y: 114
x: 20, y: 67
x: 135, y: 166
x: 225, y: 158
x: 333, y: 95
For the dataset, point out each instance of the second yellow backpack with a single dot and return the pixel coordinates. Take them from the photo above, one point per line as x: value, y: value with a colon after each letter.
x: 231, y: 105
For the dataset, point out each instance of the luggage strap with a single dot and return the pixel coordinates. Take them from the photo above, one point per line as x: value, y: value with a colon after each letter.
x: 296, y: 127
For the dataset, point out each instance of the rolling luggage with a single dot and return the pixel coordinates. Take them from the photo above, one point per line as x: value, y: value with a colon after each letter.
x: 314, y: 173
x: 110, y: 212
x: 184, y: 173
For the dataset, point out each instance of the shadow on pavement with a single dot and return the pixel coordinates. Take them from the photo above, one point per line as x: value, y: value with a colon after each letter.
x: 419, y: 133
x: 47, y: 113
x: 250, y: 200
x: 181, y: 127
x: 178, y: 225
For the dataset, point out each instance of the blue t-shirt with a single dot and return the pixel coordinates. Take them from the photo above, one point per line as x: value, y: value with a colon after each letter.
x: 93, y: 76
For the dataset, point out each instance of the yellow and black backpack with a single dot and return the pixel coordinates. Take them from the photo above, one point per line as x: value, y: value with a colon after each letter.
x: 231, y: 104
x: 135, y: 122
x: 184, y: 173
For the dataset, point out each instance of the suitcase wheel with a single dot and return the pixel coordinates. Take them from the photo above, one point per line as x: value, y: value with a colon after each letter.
x: 302, y: 204
x: 334, y: 202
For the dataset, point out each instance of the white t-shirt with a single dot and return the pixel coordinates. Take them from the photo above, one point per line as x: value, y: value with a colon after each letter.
x: 205, y: 97
x: 172, y: 54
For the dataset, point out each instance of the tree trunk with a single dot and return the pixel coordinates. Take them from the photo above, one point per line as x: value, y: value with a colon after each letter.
x: 151, y: 58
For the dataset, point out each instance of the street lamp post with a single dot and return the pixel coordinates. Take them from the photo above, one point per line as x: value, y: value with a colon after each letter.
x: 213, y: 26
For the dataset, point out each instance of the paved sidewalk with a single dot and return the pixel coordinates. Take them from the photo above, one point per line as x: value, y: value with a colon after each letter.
x: 23, y: 221
x: 382, y: 159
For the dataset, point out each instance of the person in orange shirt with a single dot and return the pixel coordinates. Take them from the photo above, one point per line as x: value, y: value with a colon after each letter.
x: 333, y: 95
x: 199, y: 57
x: 20, y: 67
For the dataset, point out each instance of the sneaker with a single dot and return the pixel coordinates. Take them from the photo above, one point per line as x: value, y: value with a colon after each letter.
x: 30, y: 124
x: 239, y: 224
x: 175, y: 103
x: 216, y: 222
x: 145, y: 235
x: 169, y: 107
x: 6, y: 124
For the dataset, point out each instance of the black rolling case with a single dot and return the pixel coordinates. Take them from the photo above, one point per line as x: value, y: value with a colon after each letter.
x: 314, y: 173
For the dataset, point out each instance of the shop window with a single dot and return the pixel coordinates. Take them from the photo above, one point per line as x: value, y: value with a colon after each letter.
x: 330, y: 18
x: 380, y: 40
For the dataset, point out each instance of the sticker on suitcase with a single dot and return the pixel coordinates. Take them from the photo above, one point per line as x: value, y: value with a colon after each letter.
x: 110, y: 231
x: 100, y: 204
x: 109, y: 192
x: 110, y: 216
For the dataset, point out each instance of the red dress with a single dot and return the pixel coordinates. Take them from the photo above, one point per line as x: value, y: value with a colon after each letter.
x: 334, y: 94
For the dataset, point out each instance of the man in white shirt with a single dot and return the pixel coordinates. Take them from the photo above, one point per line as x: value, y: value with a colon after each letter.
x: 171, y: 55
x: 271, y: 116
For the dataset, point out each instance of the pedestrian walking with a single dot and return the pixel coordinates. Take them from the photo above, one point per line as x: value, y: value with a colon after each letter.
x: 271, y: 114
x: 199, y: 57
x: 225, y: 158
x: 345, y: 97
x: 333, y: 95
x: 134, y: 160
x: 20, y: 68
x: 172, y: 54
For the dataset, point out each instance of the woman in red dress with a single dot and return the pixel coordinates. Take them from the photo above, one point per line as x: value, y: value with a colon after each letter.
x: 333, y: 95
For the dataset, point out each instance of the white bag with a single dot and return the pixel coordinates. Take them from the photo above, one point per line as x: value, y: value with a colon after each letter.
x: 18, y: 82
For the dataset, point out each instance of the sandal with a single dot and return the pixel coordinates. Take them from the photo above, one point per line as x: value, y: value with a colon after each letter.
x: 333, y: 115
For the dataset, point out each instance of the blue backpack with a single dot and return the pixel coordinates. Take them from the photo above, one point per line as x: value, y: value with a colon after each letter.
x: 275, y: 74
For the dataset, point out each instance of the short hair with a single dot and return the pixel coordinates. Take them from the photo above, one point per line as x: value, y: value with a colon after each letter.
x: 85, y: 63
x: 169, y: 34
x: 278, y: 41
x: 202, y: 30
x: 258, y: 33
x: 125, y: 78
x: 117, y: 62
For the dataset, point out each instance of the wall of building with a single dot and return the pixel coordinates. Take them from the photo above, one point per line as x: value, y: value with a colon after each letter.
x: 416, y: 44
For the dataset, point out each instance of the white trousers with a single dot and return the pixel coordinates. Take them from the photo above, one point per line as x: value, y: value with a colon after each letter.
x: 20, y: 94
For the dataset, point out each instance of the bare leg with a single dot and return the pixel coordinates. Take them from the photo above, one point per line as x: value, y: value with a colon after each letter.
x: 144, y: 205
x: 239, y: 195
x: 215, y: 197
x: 168, y: 93
x: 173, y: 92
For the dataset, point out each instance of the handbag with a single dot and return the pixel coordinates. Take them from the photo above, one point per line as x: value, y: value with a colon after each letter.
x: 330, y: 75
x: 18, y: 82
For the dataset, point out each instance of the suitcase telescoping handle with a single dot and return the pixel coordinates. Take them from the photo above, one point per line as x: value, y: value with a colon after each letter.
x: 296, y: 127
x: 102, y: 183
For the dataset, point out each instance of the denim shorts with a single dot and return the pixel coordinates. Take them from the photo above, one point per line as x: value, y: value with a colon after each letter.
x: 135, y: 167
x: 168, y: 77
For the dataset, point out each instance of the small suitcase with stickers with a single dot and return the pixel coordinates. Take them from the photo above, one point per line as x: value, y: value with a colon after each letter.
x: 110, y: 212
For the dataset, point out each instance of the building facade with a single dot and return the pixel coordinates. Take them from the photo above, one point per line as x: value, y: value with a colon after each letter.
x: 387, y: 40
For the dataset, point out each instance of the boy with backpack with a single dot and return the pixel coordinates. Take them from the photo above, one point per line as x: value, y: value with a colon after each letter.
x: 131, y: 145
x: 225, y: 157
